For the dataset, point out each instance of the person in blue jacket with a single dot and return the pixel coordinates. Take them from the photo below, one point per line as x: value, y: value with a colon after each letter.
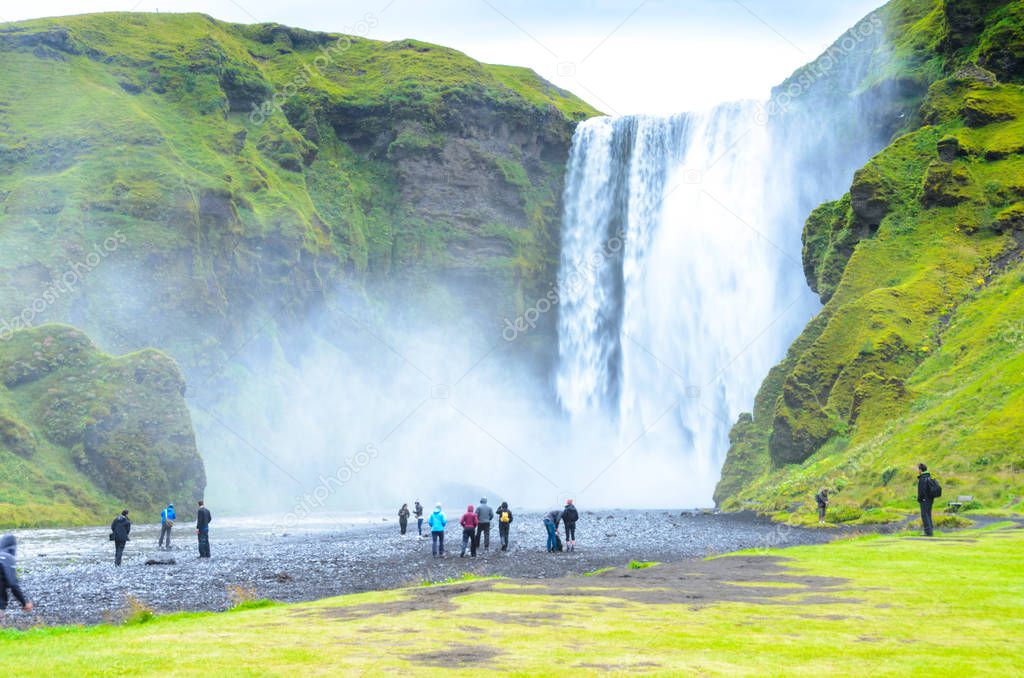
x: 9, y: 576
x: 437, y: 521
x: 167, y: 517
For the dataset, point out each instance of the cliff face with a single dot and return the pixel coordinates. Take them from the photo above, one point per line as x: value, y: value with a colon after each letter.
x: 83, y: 434
x: 178, y: 182
x: 915, y: 355
x: 245, y: 170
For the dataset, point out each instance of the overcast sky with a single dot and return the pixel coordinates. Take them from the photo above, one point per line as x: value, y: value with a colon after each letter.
x: 623, y: 56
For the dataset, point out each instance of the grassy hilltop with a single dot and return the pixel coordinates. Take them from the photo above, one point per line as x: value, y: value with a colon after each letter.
x: 918, y: 353
x: 252, y: 168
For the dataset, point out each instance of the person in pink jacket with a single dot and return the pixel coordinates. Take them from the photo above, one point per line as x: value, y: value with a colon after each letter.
x: 469, y: 523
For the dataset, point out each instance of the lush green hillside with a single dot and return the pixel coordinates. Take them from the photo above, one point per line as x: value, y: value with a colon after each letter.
x: 251, y: 168
x: 83, y: 434
x: 178, y: 182
x: 918, y: 353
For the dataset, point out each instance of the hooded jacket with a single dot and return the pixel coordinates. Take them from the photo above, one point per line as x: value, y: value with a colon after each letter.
x: 504, y: 509
x: 570, y: 515
x: 168, y: 514
x: 437, y: 521
x: 469, y: 520
x: 8, y: 575
x: 484, y: 513
x: 120, y: 528
x: 554, y: 516
x: 418, y: 510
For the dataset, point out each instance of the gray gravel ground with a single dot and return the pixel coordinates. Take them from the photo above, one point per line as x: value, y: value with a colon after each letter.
x: 70, y: 575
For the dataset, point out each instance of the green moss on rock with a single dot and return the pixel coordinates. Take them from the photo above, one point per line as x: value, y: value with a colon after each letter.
x: 916, y: 354
x: 101, y: 431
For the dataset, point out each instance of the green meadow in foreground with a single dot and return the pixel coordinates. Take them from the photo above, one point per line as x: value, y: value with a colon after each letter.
x: 865, y: 606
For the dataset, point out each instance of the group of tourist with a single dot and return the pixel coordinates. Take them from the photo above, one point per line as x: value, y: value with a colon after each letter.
x: 928, y: 490
x: 475, y: 523
x: 122, y: 527
x: 476, y: 526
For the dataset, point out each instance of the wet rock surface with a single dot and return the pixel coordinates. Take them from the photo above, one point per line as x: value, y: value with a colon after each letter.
x: 70, y: 575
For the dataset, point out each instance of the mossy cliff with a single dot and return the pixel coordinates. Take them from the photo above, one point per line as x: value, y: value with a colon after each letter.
x: 84, y: 434
x: 918, y: 352
x: 247, y: 170
x: 179, y: 182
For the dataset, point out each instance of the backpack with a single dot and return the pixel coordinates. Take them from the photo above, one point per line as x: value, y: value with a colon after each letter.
x: 506, y: 517
x: 934, y: 489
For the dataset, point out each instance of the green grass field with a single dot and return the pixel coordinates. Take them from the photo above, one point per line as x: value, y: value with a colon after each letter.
x: 949, y: 606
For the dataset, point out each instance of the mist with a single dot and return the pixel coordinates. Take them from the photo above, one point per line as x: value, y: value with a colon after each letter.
x: 364, y: 414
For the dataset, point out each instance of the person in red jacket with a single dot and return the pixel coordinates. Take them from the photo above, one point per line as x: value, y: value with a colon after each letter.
x: 469, y: 523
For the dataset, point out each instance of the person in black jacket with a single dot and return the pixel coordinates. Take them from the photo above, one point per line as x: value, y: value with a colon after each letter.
x: 403, y: 518
x: 9, y: 576
x: 119, y: 530
x: 417, y: 510
x: 569, y: 517
x: 504, y: 523
x: 925, y: 498
x: 822, y: 500
x: 203, y: 520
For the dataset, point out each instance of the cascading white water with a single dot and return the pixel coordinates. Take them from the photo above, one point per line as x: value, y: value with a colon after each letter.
x: 681, y: 276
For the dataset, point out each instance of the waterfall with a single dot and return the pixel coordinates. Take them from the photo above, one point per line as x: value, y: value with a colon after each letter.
x: 681, y: 280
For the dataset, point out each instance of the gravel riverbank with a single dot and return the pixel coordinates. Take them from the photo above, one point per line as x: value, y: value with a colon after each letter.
x: 70, y: 576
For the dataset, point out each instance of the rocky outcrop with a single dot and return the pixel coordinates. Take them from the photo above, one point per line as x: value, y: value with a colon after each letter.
x: 95, y: 430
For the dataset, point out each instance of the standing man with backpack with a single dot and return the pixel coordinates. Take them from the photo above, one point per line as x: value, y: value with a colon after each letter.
x: 203, y: 520
x: 484, y: 516
x: 928, y: 490
x: 822, y: 500
x: 569, y: 517
x: 504, y: 523
x: 167, y: 517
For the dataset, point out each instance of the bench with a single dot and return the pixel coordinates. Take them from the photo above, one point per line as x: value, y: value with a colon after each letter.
x: 954, y: 506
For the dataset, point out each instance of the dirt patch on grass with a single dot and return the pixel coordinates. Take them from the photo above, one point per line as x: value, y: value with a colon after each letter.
x: 436, y: 598
x: 748, y: 579
x: 456, y: 656
x: 639, y: 666
x: 827, y: 617
x: 696, y: 583
x: 524, y: 618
